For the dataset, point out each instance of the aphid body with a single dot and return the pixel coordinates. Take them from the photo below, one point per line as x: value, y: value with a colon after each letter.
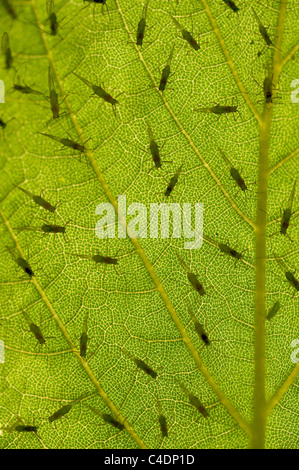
x: 198, y: 405
x: 112, y: 421
x: 52, y: 228
x: 218, y: 110
x: 273, y: 310
x: 192, y: 278
x: 5, y: 47
x: 46, y: 229
x: 173, y: 182
x: 199, y: 329
x: 99, y: 91
x: 267, y: 89
x: 67, y: 142
x: 52, y: 18
x: 292, y: 280
x: 263, y: 30
x: 99, y: 259
x: 22, y: 263
x: 229, y: 251
x: 195, y: 401
x: 9, y: 8
x: 39, y: 200
x: 66, y: 408
x: 232, y: 5
x: 287, y: 213
x: 154, y: 149
x: 26, y: 90
x: 162, y: 421
x: 35, y: 330
x: 84, y: 338
x: 146, y: 368
x: 107, y: 418
x: 142, y: 365
x: 288, y: 274
x: 20, y: 427
x: 59, y: 413
x: 3, y: 124
x: 24, y: 428
x: 163, y: 425
x: 166, y: 72
x: 53, y: 97
x: 235, y: 174
x: 186, y: 35
x: 142, y: 25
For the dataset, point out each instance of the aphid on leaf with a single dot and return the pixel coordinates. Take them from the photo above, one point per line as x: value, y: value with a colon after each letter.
x: 166, y: 72
x: 53, y: 98
x: 273, y: 310
x: 142, y: 25
x: 186, y: 35
x: 173, y: 182
x: 9, y: 8
x: 267, y: 88
x: 107, y: 418
x: 162, y: 421
x: 263, y: 33
x: 229, y: 251
x: 26, y: 90
x: 84, y: 338
x: 46, y: 228
x: 39, y: 200
x: 59, y: 413
x: 192, y: 278
x: 67, y: 408
x: 21, y: 262
x: 224, y: 248
x: 112, y: 421
x: 195, y: 401
x: 35, y: 330
x: 3, y: 124
x: 235, y: 174
x: 99, y: 91
x: 6, y: 50
x: 154, y: 149
x: 107, y: 260
x: 287, y: 214
x: 199, y: 329
x: 20, y: 427
x: 25, y: 428
x: 219, y: 110
x: 141, y: 365
x: 231, y: 5
x: 263, y: 30
x: 292, y: 280
x: 68, y: 143
x: 288, y: 274
x: 52, y: 18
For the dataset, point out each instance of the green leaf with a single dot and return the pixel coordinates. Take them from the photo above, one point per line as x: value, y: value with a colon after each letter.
x: 245, y: 378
